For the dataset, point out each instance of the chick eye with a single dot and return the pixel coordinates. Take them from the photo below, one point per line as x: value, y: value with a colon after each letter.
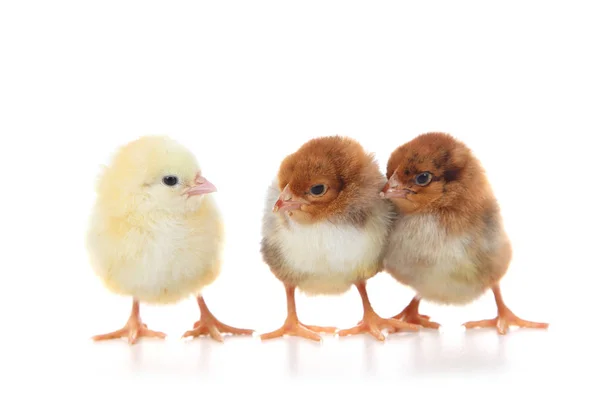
x: 317, y: 190
x: 423, y: 178
x: 170, y: 180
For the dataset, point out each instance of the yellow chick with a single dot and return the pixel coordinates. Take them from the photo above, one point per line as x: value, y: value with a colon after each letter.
x: 156, y: 233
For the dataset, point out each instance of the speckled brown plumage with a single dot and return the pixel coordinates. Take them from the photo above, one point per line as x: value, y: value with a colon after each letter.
x: 327, y: 242
x: 449, y: 242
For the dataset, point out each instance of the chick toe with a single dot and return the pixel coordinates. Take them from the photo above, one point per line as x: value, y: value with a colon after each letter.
x: 411, y: 315
x: 210, y: 325
x: 504, y: 321
x: 373, y: 323
x: 133, y: 331
x: 292, y: 327
x: 320, y: 329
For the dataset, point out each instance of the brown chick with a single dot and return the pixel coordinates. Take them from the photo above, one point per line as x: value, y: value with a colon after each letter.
x: 449, y: 242
x: 325, y: 228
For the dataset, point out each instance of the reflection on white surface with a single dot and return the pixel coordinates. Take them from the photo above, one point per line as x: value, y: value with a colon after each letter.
x: 540, y: 362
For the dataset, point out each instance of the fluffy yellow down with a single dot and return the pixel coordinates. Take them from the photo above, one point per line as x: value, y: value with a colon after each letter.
x: 146, y: 239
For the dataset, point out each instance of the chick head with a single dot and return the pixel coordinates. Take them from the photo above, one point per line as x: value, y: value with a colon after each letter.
x: 153, y: 173
x: 434, y: 170
x: 327, y: 178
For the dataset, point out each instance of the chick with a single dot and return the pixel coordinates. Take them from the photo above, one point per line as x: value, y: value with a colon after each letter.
x: 156, y: 234
x: 449, y: 242
x: 325, y: 228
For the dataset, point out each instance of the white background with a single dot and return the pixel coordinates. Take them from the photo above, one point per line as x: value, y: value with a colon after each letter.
x: 245, y: 83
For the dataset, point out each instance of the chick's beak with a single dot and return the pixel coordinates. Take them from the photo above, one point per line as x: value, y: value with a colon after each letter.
x: 201, y: 186
x: 287, y: 201
x: 394, y: 189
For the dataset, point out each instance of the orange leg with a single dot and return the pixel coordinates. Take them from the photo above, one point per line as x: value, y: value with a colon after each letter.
x: 133, y: 329
x: 373, y: 323
x: 210, y: 325
x: 292, y: 326
x: 411, y: 314
x: 505, y: 318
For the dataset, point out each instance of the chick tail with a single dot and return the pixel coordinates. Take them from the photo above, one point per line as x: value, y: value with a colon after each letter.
x: 292, y: 326
x: 133, y: 329
x: 372, y: 323
x: 210, y: 325
x: 505, y: 318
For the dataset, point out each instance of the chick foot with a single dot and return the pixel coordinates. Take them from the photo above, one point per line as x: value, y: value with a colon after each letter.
x: 505, y: 318
x: 373, y: 323
x: 133, y: 329
x: 293, y: 327
x: 411, y: 315
x: 210, y: 325
x: 503, y: 321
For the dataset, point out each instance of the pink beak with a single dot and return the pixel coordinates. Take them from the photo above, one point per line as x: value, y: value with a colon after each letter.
x: 286, y: 201
x: 394, y: 189
x: 201, y: 186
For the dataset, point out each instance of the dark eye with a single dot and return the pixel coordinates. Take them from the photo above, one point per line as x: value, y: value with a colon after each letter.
x: 423, y: 178
x: 317, y: 190
x: 170, y: 180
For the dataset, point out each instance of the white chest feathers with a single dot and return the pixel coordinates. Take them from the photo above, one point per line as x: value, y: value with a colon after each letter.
x: 325, y: 248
